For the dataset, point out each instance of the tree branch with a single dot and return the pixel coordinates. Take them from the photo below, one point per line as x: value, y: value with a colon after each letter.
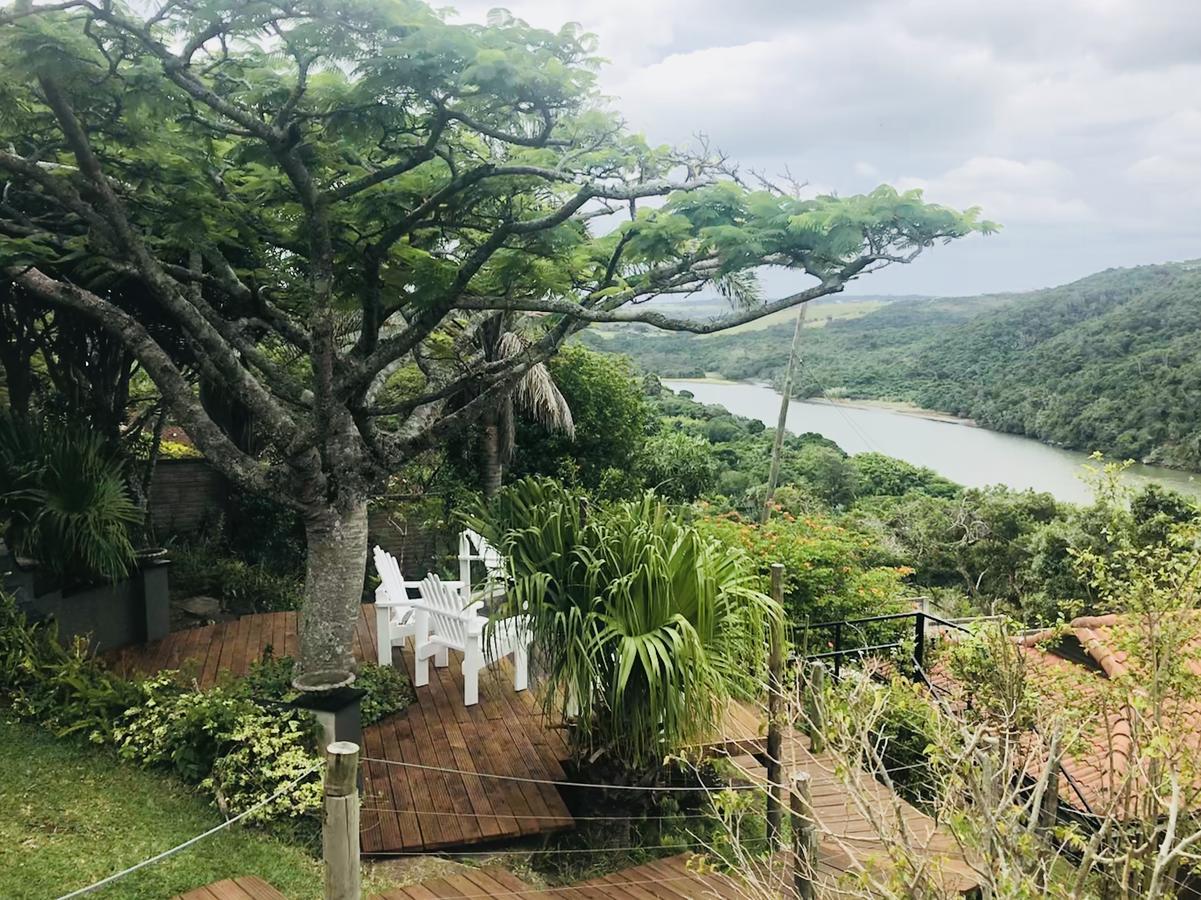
x: 175, y: 389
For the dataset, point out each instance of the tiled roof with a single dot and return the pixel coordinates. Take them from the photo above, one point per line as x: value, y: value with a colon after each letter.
x: 1099, y: 763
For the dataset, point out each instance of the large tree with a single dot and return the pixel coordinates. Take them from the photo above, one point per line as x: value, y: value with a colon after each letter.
x: 329, y: 200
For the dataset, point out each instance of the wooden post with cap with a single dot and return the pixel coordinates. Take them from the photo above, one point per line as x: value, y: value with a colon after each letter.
x: 804, y: 837
x: 340, y: 826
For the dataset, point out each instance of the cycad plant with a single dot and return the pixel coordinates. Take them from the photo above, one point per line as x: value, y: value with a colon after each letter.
x: 642, y: 627
x: 64, y: 500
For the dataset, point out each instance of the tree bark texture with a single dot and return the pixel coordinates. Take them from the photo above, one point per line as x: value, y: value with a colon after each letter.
x: 490, y: 465
x: 333, y: 589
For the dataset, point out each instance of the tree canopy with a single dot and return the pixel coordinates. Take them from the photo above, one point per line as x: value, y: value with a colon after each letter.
x: 317, y: 206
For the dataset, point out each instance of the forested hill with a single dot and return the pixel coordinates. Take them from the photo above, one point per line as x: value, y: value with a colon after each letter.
x: 1111, y: 362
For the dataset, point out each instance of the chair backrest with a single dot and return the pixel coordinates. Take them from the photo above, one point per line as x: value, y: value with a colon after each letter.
x: 389, y: 573
x: 476, y: 546
x: 448, y: 619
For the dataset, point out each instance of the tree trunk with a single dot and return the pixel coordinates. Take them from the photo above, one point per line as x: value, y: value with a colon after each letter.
x: 490, y: 467
x: 336, y: 537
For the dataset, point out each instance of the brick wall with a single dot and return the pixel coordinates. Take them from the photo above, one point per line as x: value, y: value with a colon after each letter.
x: 189, y: 495
x: 186, y: 496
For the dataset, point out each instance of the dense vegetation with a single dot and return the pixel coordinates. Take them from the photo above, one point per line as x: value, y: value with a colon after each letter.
x: 1106, y: 363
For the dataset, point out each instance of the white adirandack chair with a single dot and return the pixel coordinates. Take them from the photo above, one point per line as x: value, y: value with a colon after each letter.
x: 442, y: 623
x: 474, y: 547
x: 394, y: 609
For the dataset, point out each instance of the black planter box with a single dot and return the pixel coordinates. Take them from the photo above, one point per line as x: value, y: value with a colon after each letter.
x: 337, y: 713
x: 133, y: 611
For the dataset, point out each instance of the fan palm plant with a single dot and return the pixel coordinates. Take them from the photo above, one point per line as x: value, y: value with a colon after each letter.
x: 642, y: 627
x: 64, y: 500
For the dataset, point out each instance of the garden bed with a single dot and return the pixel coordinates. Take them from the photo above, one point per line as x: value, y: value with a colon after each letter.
x: 132, y: 611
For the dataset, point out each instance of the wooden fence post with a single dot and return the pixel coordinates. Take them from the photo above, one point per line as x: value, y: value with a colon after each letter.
x: 775, y: 702
x: 815, y: 716
x: 340, y: 827
x: 804, y: 837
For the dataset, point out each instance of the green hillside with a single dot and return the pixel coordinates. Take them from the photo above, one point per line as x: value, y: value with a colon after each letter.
x: 1107, y: 363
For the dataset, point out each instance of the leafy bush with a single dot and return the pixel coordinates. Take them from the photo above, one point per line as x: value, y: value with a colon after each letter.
x: 205, y: 568
x: 827, y: 574
x: 679, y: 466
x: 220, y: 739
x: 64, y: 501
x: 61, y: 688
x: 228, y: 744
x: 386, y: 688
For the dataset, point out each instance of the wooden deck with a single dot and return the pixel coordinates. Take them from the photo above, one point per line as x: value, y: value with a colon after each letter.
x: 251, y: 888
x: 408, y: 809
x: 856, y: 836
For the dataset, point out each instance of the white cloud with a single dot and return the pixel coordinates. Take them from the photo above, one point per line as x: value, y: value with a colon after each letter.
x: 1075, y: 123
x: 1009, y: 190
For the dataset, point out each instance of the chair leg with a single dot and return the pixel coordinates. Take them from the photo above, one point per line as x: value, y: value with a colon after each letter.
x: 421, y: 659
x: 473, y: 661
x: 442, y: 658
x: 521, y: 668
x: 383, y: 635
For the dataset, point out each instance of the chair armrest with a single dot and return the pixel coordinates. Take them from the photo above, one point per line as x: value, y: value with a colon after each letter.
x: 394, y: 604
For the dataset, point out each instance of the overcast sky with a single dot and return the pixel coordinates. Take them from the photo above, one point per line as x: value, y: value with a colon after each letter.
x: 1074, y: 123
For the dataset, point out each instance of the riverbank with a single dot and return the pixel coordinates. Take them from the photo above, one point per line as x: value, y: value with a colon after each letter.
x: 975, y: 457
x: 895, y: 406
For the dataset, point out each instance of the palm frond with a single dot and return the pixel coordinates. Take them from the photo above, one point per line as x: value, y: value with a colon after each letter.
x: 536, y: 394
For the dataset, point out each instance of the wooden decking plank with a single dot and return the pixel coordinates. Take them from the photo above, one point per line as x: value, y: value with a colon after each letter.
x: 498, y: 760
x: 485, y: 882
x: 229, y: 639
x: 291, y: 633
x: 425, y: 733
x: 212, y: 655
x: 669, y: 881
x: 408, y: 791
x: 379, y: 825
x: 471, y: 795
x: 522, y: 760
x: 439, y: 725
x: 464, y: 738
x: 615, y: 886
x: 258, y: 889
x: 544, y: 766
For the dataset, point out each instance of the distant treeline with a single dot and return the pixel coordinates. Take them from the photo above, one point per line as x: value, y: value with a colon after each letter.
x: 1110, y: 362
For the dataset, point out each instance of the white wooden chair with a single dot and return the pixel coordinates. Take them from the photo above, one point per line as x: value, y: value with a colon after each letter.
x: 474, y: 547
x: 394, y: 616
x: 442, y: 623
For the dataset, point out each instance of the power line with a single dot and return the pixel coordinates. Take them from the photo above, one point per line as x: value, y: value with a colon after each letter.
x: 558, y: 784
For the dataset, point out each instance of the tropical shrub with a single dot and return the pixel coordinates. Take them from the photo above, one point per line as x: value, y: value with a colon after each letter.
x: 827, y: 571
x: 643, y: 625
x: 239, y: 750
x: 679, y: 466
x: 64, y: 500
x: 207, y: 568
x: 609, y: 412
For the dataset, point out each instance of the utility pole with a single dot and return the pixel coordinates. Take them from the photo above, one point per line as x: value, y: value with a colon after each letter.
x: 777, y: 446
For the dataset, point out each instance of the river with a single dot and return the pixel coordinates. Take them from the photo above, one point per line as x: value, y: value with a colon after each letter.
x: 971, y: 456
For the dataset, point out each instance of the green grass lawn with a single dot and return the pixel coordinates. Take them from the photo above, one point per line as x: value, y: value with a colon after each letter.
x: 71, y: 815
